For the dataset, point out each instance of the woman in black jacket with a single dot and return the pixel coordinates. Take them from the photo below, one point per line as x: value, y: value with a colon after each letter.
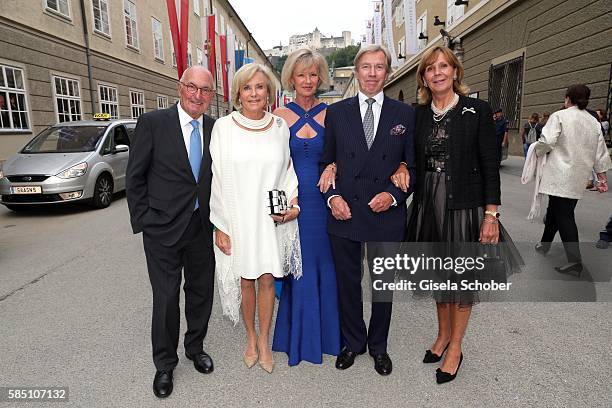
x: 457, y: 188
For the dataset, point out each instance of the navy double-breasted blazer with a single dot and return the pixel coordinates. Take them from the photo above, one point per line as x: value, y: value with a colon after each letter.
x: 363, y: 173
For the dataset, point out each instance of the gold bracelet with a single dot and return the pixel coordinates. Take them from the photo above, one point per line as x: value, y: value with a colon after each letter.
x: 491, y: 221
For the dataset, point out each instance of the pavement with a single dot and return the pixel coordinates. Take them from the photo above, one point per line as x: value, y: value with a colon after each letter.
x: 75, y: 310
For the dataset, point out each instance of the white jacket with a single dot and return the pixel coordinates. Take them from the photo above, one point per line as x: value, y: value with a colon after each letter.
x: 576, y: 146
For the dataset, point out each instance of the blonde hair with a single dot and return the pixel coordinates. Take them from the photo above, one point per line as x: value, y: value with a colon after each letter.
x: 244, y: 75
x: 534, y: 117
x: 369, y: 49
x: 306, y: 58
x: 429, y: 57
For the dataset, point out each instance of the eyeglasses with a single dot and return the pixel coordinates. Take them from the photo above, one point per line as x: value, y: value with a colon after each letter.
x: 192, y: 89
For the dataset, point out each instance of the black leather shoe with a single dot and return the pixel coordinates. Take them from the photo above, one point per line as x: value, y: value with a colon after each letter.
x: 382, y: 363
x: 572, y: 268
x: 432, y: 357
x: 202, y: 362
x: 346, y: 358
x: 444, y: 377
x: 542, y: 247
x: 162, y: 384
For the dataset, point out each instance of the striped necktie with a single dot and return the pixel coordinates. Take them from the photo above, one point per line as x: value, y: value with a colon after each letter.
x: 368, y: 123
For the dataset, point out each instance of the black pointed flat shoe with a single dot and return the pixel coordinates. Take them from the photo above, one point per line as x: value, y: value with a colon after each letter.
x: 444, y: 377
x: 431, y: 357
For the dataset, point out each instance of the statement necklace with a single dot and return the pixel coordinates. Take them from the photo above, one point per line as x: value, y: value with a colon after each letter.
x: 255, y: 125
x: 439, y: 114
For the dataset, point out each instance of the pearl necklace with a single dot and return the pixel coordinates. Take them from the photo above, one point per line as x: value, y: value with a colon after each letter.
x: 439, y: 114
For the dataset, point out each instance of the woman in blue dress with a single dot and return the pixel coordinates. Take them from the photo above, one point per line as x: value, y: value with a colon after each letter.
x: 307, y: 322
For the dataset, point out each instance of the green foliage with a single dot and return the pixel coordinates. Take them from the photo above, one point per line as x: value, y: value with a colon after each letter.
x: 343, y: 57
x: 280, y: 64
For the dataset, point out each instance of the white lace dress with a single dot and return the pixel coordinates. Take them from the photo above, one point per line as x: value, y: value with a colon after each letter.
x: 251, y: 158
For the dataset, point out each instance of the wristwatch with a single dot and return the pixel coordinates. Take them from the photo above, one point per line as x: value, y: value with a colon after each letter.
x: 492, y: 214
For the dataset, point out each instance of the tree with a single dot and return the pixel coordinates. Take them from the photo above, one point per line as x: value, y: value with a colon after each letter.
x: 343, y: 57
x: 280, y: 63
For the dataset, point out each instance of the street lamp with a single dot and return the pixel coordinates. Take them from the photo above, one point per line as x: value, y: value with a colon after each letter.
x: 437, y: 21
x: 422, y: 36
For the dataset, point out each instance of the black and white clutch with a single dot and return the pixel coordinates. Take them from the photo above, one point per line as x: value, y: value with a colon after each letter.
x: 277, y: 202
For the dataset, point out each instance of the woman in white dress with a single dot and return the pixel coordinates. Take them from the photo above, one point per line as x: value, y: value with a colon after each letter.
x: 250, y: 153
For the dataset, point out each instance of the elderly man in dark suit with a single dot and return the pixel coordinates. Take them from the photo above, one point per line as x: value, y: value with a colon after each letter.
x: 168, y: 191
x: 368, y: 137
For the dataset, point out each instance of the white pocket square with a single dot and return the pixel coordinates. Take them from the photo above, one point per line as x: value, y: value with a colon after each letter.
x: 468, y: 110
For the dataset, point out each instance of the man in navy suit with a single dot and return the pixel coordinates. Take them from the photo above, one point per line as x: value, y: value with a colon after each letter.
x: 368, y: 137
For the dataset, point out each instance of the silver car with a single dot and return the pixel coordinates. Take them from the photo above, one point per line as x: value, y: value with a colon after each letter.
x: 67, y: 162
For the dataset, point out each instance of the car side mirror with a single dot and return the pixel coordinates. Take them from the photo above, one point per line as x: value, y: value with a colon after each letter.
x: 121, y: 148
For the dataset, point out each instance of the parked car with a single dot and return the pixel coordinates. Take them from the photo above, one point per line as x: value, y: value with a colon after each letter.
x: 68, y: 162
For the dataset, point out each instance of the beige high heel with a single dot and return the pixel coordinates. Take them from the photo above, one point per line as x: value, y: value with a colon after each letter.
x: 250, y: 361
x: 268, y: 366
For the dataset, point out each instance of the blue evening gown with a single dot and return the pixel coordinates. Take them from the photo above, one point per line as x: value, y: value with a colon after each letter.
x: 308, y: 321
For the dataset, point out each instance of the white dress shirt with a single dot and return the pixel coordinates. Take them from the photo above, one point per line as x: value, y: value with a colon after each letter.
x: 376, y: 107
x: 186, y: 127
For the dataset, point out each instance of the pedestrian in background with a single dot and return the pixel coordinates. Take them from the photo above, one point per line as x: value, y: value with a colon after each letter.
x: 530, y: 132
x: 573, y: 140
x: 605, y: 124
x: 501, y: 131
x: 605, y: 236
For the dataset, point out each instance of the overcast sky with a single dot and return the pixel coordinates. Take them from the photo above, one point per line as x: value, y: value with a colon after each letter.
x: 273, y: 21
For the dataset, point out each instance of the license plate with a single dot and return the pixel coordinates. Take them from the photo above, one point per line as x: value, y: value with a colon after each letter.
x: 26, y: 190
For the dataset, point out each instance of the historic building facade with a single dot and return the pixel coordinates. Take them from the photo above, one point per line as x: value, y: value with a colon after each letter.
x: 518, y: 55
x: 63, y: 60
x: 314, y: 40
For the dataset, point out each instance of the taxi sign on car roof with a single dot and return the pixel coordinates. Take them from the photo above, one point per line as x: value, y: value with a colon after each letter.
x: 101, y: 116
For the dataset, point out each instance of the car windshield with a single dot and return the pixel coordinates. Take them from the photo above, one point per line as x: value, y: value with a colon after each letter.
x: 66, y: 139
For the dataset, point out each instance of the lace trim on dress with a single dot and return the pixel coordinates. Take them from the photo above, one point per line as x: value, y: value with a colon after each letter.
x: 288, y: 237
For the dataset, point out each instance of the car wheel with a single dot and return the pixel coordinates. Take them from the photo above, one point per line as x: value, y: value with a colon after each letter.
x: 103, y: 192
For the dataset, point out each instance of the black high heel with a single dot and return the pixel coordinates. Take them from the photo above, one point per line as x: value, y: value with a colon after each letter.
x: 431, y: 357
x: 572, y: 268
x: 542, y: 247
x: 444, y: 377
